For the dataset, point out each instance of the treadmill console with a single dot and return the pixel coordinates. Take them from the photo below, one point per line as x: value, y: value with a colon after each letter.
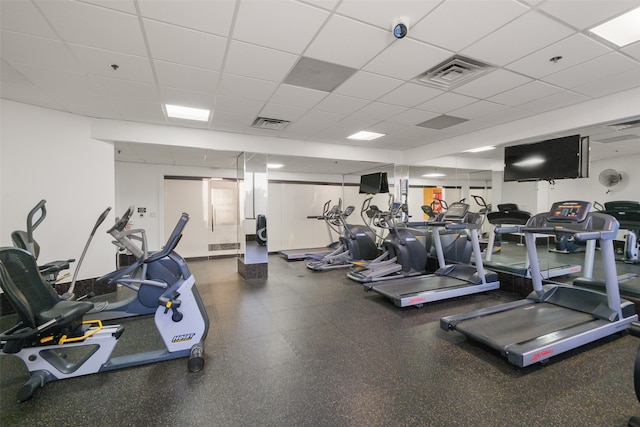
x: 569, y: 211
x: 456, y: 212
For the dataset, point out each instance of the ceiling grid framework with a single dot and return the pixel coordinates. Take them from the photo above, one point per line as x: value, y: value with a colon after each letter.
x: 235, y: 57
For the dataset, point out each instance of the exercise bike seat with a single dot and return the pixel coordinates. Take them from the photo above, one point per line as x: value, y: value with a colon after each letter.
x: 42, y: 312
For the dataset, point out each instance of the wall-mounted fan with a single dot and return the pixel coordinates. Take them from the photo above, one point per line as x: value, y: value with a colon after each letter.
x: 609, y: 178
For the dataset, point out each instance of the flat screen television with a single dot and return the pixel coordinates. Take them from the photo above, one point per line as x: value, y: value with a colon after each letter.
x: 558, y: 158
x: 374, y: 183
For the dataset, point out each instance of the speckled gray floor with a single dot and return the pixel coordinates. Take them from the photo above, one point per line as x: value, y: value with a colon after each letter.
x: 305, y: 348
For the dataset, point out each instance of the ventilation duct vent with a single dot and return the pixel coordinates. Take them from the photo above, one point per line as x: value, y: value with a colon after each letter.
x: 271, y: 124
x: 625, y: 125
x: 454, y: 72
x: 617, y: 139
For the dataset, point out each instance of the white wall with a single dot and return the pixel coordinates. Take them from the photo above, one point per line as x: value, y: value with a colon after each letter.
x: 46, y: 154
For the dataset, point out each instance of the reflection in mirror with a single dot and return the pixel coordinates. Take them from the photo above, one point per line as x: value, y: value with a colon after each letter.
x: 253, y: 190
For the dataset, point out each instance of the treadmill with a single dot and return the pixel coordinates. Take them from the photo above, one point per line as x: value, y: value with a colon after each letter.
x: 628, y: 216
x: 449, y: 281
x: 330, y: 216
x: 509, y: 214
x: 554, y: 318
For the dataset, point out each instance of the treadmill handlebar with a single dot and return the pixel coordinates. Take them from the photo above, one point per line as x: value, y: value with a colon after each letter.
x: 508, y: 230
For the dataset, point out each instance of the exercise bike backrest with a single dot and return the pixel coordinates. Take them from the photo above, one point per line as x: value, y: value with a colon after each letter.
x: 25, y: 240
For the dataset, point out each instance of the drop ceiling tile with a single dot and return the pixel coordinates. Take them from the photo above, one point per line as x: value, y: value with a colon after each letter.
x: 313, y: 121
x: 595, y: 69
x: 269, y: 24
x: 185, y: 77
x: 573, y: 50
x: 616, y: 83
x: 23, y: 17
x: 355, y: 124
x: 587, y: 13
x: 367, y: 86
x: 126, y: 89
x: 121, y: 5
x: 187, y: 98
x: 525, y: 93
x: 412, y: 117
x: 410, y: 94
x: 632, y: 50
x: 325, y: 4
x: 55, y: 81
x: 340, y: 104
x: 381, y: 13
x: 504, y: 116
x: 297, y: 96
x: 386, y: 127
x: 238, y: 105
x: 87, y: 105
x: 246, y: 87
x: 162, y: 44
x: 446, y: 102
x: 231, y: 122
x: 362, y: 43
x: 139, y: 110
x: 515, y: 40
x: 29, y: 50
x: 213, y: 17
x: 260, y: 62
x: 407, y: 59
x: 282, y: 112
x: 94, y: 26
x: 98, y: 62
x: 492, y: 83
x: 552, y: 102
x: 320, y: 75
x: 478, y: 109
x: 380, y: 111
x: 473, y: 20
x: 8, y: 74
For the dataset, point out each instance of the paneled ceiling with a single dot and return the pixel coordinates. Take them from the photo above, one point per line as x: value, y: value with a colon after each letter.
x: 124, y: 59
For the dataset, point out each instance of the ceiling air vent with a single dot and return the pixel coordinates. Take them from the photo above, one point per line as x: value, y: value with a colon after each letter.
x: 271, y: 124
x: 625, y: 125
x: 454, y: 72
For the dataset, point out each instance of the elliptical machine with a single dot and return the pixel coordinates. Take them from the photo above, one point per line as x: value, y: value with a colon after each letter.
x: 49, y: 327
x: 148, y: 277
x: 357, y: 243
x: 406, y: 249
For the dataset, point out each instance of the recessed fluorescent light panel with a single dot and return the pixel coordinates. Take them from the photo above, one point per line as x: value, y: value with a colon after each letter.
x: 365, y: 136
x: 480, y: 149
x: 274, y: 166
x: 187, y: 113
x: 433, y: 175
x: 621, y: 31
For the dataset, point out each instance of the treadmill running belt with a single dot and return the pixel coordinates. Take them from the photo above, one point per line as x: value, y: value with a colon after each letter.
x: 414, y: 286
x: 522, y: 324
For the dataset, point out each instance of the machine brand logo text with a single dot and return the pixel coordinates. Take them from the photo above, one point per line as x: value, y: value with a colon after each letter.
x: 183, y: 337
x: 542, y: 354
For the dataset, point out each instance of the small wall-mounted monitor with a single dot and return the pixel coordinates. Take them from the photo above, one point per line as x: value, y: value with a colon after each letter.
x: 374, y: 183
x: 558, y: 158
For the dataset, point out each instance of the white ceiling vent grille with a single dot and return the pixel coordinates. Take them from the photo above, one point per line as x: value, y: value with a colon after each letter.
x: 454, y: 72
x: 625, y: 125
x: 271, y: 124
